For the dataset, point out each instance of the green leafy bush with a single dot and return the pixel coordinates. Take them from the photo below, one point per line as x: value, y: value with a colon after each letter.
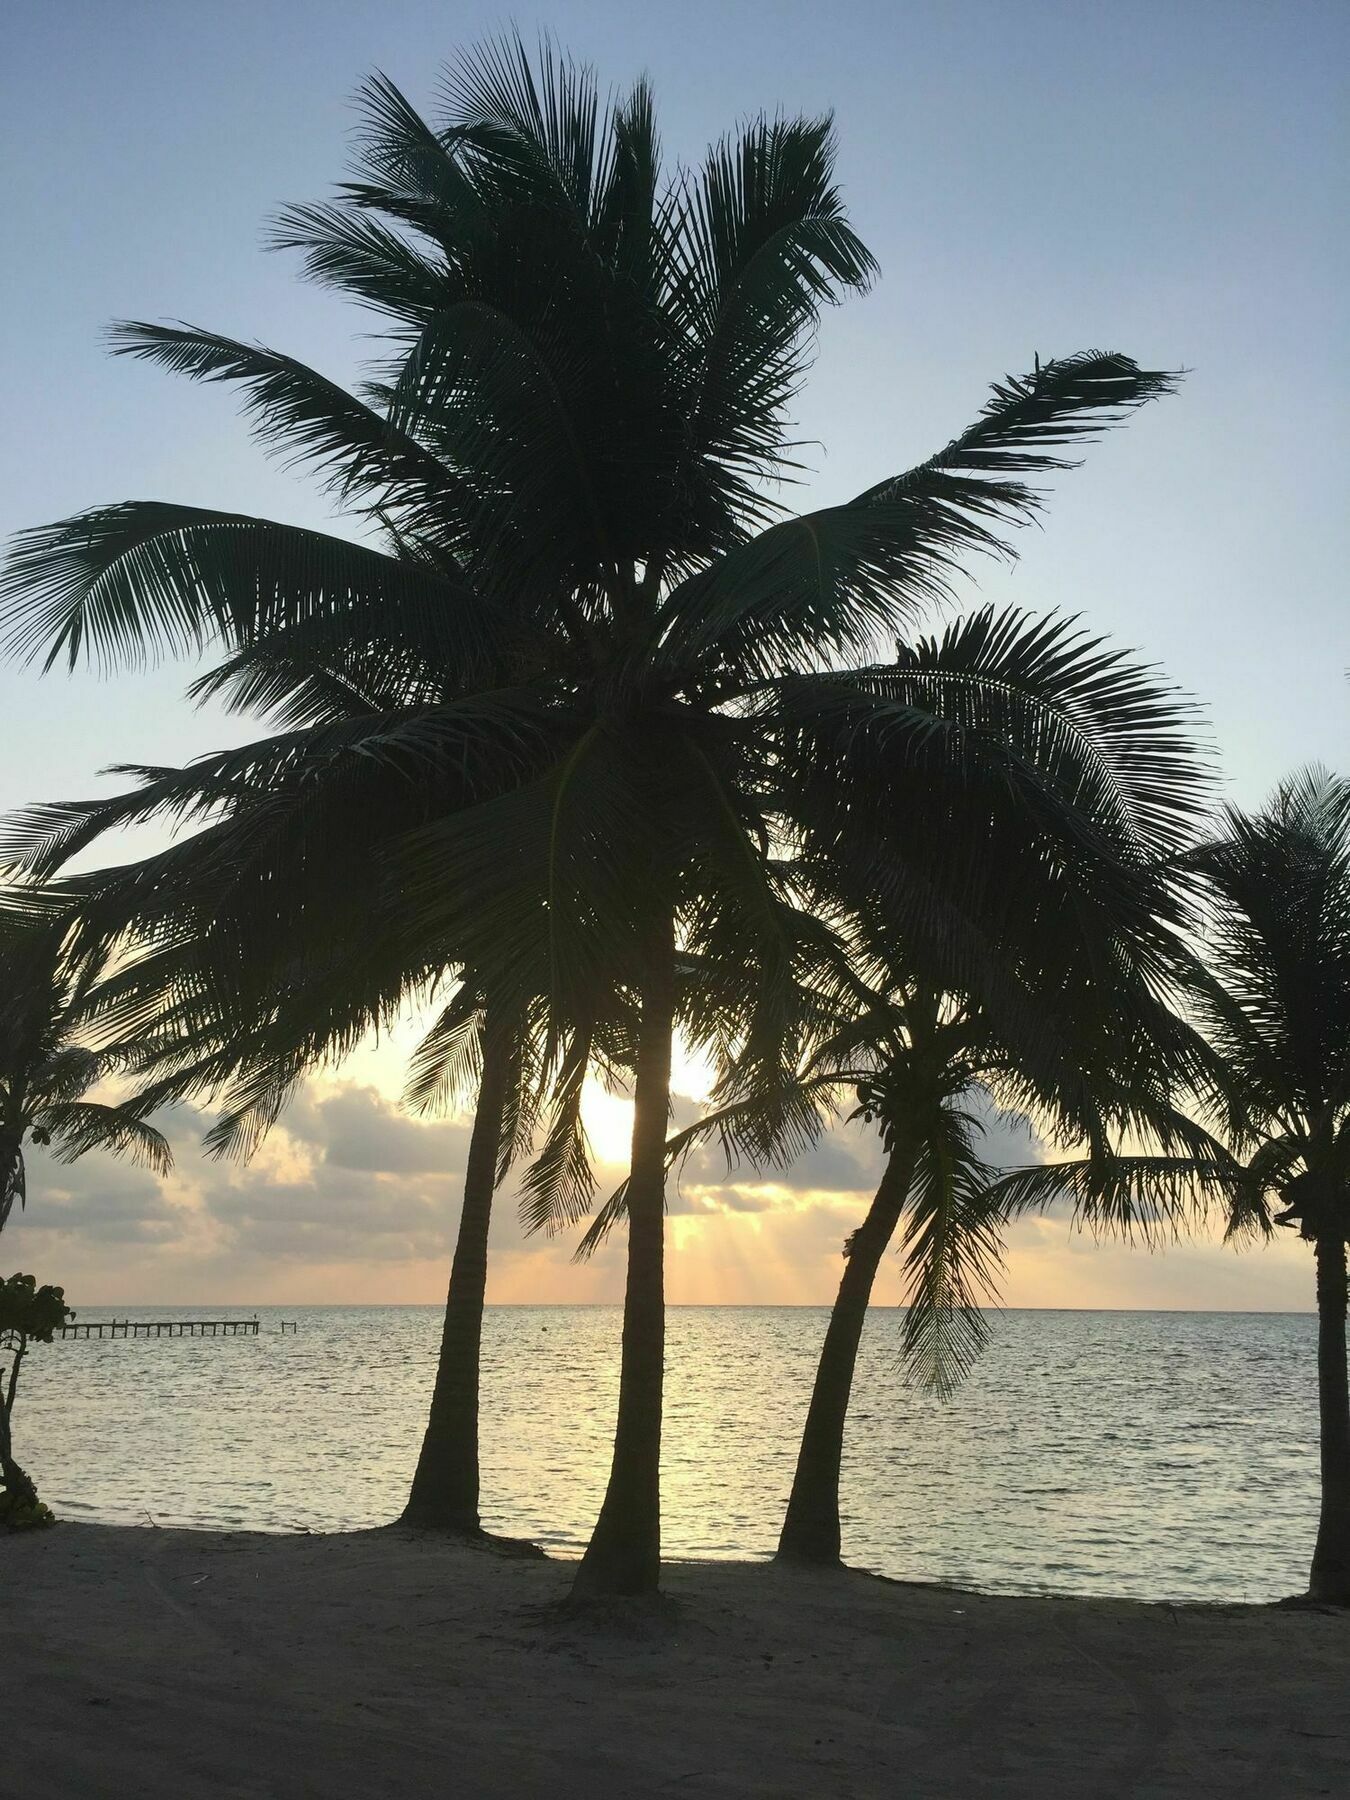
x: 19, y: 1513
x: 33, y: 1312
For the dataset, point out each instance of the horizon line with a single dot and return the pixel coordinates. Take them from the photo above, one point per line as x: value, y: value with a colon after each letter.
x: 1307, y: 1312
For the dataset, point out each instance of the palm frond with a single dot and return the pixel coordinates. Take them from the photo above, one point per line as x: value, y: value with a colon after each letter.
x: 346, y: 248
x: 1279, y: 944
x: 559, y: 1185
x: 78, y: 1126
x: 307, y: 418
x: 448, y: 1063
x: 124, y: 582
x: 839, y: 580
x: 952, y: 1252
x: 759, y: 245
x: 1031, y: 419
x: 1148, y: 1199
x: 1116, y: 739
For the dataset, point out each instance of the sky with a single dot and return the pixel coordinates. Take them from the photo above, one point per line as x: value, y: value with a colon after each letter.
x: 1169, y: 181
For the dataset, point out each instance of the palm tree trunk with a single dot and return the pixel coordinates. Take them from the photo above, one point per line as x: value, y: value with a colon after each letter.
x: 17, y: 1486
x: 624, y: 1554
x: 445, y: 1486
x: 1330, y: 1578
x: 811, y: 1526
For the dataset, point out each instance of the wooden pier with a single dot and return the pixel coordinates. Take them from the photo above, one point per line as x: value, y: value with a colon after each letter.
x: 154, y: 1328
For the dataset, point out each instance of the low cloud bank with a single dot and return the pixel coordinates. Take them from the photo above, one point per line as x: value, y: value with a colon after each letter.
x: 352, y: 1199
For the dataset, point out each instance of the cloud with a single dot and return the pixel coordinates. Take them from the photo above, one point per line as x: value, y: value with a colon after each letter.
x: 335, y: 1215
x: 350, y: 1199
x: 1005, y: 1140
x: 742, y: 1199
x: 848, y: 1159
x: 844, y: 1162
x: 351, y: 1179
x: 345, y: 1178
x: 98, y: 1197
x: 95, y: 1200
x: 356, y: 1128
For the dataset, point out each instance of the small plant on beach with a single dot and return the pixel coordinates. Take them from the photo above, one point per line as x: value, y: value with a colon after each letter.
x: 29, y: 1314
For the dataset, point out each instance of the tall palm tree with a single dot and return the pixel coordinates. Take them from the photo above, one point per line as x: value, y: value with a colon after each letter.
x: 1277, y: 1015
x: 1034, y: 985
x: 568, y: 454
x: 47, y: 1067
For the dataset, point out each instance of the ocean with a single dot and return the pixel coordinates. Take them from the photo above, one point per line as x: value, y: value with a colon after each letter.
x: 1158, y: 1455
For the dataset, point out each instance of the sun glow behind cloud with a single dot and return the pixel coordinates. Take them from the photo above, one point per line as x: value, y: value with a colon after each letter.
x: 608, y: 1122
x: 352, y: 1199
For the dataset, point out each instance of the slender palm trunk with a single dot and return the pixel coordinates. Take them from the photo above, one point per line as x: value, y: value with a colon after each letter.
x: 624, y: 1554
x: 17, y: 1485
x: 445, y: 1486
x: 811, y: 1526
x: 1330, y: 1578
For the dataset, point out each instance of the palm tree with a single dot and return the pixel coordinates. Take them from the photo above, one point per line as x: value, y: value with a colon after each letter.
x: 1033, y: 987
x: 1277, y: 1015
x: 46, y: 1070
x: 265, y: 945
x: 567, y: 455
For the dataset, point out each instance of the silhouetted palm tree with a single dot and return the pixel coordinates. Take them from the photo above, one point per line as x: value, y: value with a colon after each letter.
x: 46, y: 1070
x: 1277, y: 1014
x: 271, y: 942
x: 568, y: 453
x: 1032, y: 985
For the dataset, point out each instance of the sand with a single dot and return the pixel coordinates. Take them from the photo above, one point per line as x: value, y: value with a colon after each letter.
x: 149, y: 1663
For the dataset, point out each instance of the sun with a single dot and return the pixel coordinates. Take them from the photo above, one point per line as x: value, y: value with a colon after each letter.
x: 608, y: 1119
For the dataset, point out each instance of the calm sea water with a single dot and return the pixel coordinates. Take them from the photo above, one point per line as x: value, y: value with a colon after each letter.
x: 1159, y: 1455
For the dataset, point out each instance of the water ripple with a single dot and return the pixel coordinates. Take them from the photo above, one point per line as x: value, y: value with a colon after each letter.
x: 1159, y: 1455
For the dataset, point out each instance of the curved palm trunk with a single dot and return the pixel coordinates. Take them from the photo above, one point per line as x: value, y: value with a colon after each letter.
x: 811, y: 1527
x: 624, y: 1554
x: 445, y: 1486
x: 1330, y: 1577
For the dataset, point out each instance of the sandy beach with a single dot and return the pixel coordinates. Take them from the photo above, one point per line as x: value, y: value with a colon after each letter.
x: 163, y: 1663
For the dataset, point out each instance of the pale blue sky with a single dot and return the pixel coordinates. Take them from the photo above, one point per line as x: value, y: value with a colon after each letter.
x: 1166, y: 179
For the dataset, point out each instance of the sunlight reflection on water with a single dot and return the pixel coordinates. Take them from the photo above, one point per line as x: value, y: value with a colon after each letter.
x: 1160, y: 1455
